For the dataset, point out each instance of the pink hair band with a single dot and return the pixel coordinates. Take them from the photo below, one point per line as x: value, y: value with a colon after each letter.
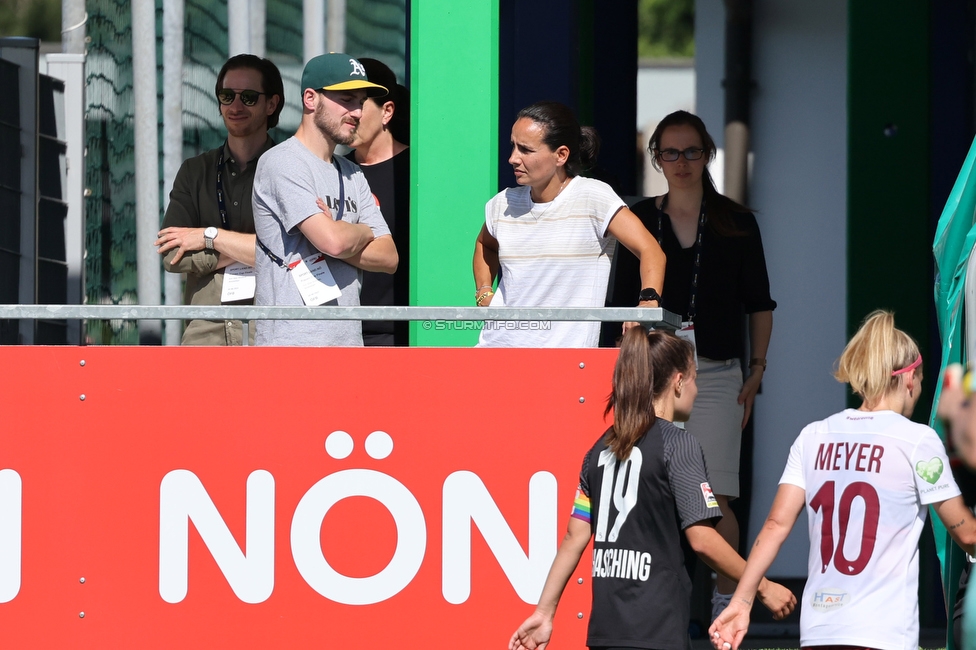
x: 914, y: 364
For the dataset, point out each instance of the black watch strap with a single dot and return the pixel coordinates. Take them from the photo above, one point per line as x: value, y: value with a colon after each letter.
x: 649, y: 293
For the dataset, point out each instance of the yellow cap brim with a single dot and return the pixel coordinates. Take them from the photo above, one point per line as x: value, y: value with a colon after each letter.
x: 372, y: 90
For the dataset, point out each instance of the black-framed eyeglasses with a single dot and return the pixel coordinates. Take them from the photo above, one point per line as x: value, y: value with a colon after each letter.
x: 671, y: 155
x: 248, y: 97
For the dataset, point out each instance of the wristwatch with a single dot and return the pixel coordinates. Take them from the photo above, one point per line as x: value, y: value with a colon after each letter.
x: 209, y: 235
x: 650, y: 293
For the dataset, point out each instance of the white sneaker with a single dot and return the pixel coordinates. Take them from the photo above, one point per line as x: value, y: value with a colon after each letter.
x: 719, y: 603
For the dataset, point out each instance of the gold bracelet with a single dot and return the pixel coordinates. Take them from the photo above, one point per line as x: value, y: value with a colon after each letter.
x: 757, y: 362
x: 480, y: 299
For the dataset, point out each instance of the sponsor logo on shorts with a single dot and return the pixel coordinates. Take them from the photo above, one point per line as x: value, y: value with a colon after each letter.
x: 710, y: 501
x: 828, y: 599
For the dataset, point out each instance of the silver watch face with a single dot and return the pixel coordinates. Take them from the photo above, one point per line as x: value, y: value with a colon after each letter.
x: 210, y: 232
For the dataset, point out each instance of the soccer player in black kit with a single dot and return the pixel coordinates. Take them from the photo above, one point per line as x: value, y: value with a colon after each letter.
x: 642, y: 485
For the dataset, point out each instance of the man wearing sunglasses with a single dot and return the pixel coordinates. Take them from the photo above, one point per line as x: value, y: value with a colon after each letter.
x: 208, y: 230
x: 317, y: 223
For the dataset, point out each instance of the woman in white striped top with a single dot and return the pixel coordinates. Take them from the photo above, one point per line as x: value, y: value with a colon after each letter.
x: 550, y: 240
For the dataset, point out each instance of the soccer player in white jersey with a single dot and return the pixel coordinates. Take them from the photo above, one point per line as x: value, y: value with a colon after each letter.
x: 866, y: 477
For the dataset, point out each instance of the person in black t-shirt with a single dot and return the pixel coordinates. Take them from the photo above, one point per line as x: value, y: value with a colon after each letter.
x: 380, y: 149
x: 715, y: 274
x: 642, y: 485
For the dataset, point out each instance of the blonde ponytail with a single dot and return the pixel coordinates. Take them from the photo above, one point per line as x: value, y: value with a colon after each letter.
x: 876, y: 351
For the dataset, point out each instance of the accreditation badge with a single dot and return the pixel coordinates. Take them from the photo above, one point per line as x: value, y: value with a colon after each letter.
x: 315, y: 281
x: 239, y: 282
x: 687, y: 332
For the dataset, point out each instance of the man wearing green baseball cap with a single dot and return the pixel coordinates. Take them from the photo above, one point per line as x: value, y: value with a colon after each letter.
x: 316, y: 220
x: 339, y: 72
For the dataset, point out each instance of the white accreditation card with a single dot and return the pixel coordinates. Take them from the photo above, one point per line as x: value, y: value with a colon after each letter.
x: 687, y: 332
x: 239, y: 282
x: 315, y: 281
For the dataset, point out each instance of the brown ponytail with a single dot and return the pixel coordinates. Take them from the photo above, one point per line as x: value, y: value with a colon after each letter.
x: 645, y: 366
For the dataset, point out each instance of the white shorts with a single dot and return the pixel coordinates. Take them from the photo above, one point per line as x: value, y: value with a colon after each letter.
x: 716, y: 421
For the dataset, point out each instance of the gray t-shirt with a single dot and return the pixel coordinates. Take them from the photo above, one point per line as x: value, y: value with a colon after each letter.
x: 287, y: 181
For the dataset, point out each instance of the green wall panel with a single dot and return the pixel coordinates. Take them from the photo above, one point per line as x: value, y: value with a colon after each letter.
x: 889, y: 245
x: 889, y: 254
x: 454, y: 145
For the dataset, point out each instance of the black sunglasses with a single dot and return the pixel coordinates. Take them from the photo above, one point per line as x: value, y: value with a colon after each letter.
x: 248, y: 97
x: 670, y: 155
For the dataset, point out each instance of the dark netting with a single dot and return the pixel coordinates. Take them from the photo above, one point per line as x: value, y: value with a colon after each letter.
x: 204, y: 52
x: 284, y: 45
x: 375, y: 28
x: 110, y: 227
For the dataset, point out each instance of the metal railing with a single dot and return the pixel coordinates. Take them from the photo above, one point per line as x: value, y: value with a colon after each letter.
x: 655, y: 317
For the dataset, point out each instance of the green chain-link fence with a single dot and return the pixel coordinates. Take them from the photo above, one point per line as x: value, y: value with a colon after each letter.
x: 375, y: 28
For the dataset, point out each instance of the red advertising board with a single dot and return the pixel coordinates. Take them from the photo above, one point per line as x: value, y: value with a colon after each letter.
x: 289, y: 498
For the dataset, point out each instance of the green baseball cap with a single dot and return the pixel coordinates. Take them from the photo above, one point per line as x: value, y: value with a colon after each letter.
x: 336, y: 71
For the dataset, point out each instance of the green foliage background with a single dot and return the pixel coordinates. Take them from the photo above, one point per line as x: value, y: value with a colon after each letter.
x: 37, y: 18
x: 666, y: 28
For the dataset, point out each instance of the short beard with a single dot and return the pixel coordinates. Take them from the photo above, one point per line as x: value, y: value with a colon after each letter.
x: 331, y: 128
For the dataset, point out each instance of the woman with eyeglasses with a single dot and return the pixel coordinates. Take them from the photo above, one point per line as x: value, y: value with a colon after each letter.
x: 716, y: 271
x: 550, y: 241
